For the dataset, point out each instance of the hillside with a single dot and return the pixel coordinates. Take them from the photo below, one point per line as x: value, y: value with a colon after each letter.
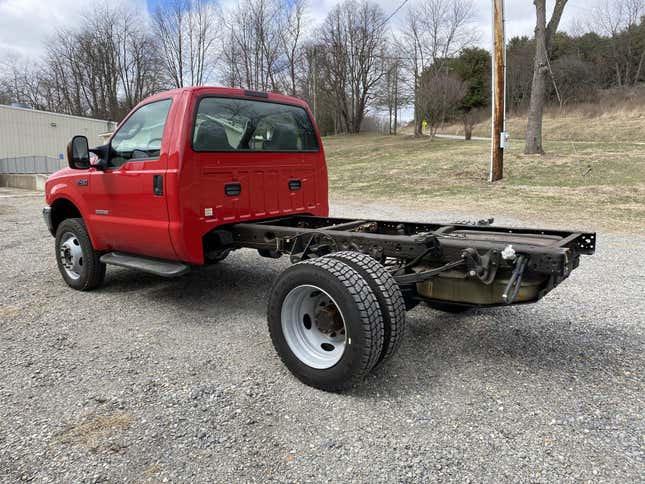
x: 598, y: 182
x: 618, y: 116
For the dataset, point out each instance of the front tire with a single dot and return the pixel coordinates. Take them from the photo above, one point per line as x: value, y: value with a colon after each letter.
x: 325, y: 323
x: 78, y: 262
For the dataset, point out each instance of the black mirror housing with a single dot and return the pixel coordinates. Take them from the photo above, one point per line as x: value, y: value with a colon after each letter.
x: 78, y: 153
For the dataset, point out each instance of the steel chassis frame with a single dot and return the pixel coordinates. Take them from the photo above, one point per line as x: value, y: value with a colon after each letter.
x: 476, y: 246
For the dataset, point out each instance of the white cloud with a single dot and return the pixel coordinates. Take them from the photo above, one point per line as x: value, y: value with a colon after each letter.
x: 26, y: 25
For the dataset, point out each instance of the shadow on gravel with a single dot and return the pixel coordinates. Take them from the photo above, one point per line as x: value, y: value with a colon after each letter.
x: 220, y: 288
x: 439, y: 345
x: 504, y: 340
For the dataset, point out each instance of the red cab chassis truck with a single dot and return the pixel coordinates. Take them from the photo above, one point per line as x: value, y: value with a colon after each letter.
x: 193, y: 174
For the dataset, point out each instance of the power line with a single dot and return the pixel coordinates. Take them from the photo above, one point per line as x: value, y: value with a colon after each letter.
x: 394, y: 13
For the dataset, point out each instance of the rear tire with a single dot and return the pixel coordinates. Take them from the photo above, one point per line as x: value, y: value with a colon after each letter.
x: 387, y: 293
x: 78, y: 262
x: 325, y: 323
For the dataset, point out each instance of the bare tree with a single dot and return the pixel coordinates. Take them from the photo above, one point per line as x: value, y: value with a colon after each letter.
x: 390, y: 95
x: 353, y: 36
x: 264, y: 45
x: 312, y: 81
x: 544, y: 34
x: 618, y: 20
x: 291, y: 38
x: 102, y: 69
x: 19, y: 82
x: 254, y: 43
x: 186, y: 31
x: 440, y: 95
x: 435, y: 30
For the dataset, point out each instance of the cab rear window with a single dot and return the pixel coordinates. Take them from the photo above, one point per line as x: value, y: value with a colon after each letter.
x: 233, y: 124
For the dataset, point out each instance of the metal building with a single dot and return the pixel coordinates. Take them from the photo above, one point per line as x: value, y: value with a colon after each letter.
x: 34, y: 141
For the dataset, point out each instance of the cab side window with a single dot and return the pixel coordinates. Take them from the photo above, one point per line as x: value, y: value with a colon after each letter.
x: 139, y: 138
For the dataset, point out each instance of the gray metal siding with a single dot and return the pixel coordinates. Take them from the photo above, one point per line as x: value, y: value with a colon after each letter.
x: 30, y: 140
x: 31, y: 164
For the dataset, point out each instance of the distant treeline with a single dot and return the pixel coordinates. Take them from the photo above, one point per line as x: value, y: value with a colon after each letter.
x: 348, y: 67
x: 581, y: 65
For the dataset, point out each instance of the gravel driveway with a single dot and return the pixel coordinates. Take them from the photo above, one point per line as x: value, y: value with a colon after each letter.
x: 159, y: 380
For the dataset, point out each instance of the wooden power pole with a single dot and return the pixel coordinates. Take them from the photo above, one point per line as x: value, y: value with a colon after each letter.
x: 499, y: 93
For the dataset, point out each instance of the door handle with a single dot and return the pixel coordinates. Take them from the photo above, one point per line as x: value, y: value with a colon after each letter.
x: 232, y: 189
x: 157, y: 184
x: 295, y: 185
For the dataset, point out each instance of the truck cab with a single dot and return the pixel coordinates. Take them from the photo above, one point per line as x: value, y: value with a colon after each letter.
x: 186, y: 161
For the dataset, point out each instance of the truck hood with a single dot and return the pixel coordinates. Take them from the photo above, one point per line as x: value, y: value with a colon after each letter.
x: 62, y: 183
x: 64, y: 173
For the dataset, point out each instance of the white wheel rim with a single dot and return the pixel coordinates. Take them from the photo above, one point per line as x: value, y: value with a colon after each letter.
x: 71, y: 255
x: 313, y: 327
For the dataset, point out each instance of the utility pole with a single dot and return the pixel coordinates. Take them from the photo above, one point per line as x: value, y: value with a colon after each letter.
x: 498, y: 134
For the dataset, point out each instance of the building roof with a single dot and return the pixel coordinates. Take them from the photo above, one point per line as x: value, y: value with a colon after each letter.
x: 4, y: 106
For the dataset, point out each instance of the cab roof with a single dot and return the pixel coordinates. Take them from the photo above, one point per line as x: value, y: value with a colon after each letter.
x: 232, y: 92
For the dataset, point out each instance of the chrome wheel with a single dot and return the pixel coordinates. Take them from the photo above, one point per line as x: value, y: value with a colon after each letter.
x: 71, y: 255
x: 313, y: 327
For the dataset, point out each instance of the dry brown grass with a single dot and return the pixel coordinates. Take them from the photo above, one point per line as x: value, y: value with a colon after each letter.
x: 593, y: 175
x: 9, y: 311
x: 96, y: 428
x: 618, y: 116
x: 597, y: 185
x: 152, y: 470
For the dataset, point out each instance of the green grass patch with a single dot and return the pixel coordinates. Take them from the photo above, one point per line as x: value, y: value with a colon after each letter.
x: 584, y: 183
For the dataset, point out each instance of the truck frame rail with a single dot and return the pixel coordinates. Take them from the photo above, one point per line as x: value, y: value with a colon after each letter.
x: 416, y: 253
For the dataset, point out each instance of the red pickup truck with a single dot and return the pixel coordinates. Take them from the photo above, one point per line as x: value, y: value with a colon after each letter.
x: 192, y: 174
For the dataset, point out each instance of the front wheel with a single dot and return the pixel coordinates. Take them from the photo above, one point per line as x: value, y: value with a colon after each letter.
x: 325, y: 323
x: 78, y: 262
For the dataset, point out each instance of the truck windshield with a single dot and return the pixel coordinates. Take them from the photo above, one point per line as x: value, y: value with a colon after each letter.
x: 233, y: 124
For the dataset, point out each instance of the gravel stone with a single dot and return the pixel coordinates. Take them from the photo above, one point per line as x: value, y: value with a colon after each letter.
x: 155, y: 380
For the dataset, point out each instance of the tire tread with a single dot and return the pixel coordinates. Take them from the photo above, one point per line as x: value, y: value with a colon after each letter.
x: 371, y: 321
x: 388, y: 295
x: 96, y: 269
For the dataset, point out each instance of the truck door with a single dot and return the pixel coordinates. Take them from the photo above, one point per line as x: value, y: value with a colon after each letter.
x: 128, y: 199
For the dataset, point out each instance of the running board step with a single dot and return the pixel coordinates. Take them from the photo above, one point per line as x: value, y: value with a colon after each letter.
x: 159, y: 267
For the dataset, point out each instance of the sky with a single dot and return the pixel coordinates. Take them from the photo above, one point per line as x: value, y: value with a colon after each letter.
x: 26, y: 25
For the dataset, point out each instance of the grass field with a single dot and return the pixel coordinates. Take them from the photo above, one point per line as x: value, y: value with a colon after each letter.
x: 588, y: 122
x: 596, y: 184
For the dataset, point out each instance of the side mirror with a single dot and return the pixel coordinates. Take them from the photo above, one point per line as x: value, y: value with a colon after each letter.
x: 78, y: 153
x: 100, y: 161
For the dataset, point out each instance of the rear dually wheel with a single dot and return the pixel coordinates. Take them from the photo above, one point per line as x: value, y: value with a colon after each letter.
x: 387, y: 294
x: 325, y: 323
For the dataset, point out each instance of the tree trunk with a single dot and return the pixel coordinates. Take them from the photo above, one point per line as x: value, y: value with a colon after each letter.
x: 396, y: 95
x: 468, y: 127
x: 538, y: 86
x: 639, y: 69
x: 543, y: 37
x: 418, y: 129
